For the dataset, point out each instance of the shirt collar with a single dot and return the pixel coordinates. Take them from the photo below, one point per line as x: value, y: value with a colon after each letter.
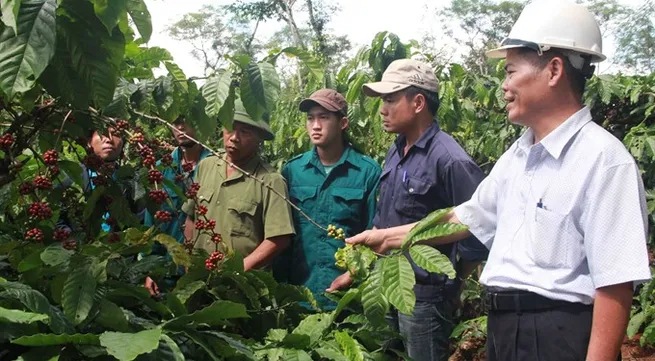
x: 250, y: 167
x: 423, y: 141
x: 556, y: 141
x: 311, y: 158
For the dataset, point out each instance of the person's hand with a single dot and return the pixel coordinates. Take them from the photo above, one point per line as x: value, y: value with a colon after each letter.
x: 152, y: 287
x: 373, y: 238
x: 341, y: 282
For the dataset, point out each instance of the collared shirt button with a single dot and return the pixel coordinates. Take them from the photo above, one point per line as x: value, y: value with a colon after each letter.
x: 399, y: 166
x: 411, y: 190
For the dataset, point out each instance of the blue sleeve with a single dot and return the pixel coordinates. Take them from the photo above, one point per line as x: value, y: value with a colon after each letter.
x: 461, y: 179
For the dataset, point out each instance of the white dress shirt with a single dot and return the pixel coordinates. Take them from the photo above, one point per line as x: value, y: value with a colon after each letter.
x: 562, y: 217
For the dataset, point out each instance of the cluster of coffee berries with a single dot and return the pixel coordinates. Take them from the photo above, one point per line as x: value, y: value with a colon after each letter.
x: 155, y: 176
x: 201, y: 210
x: 26, y: 188
x: 138, y: 138
x: 335, y: 233
x: 192, y: 192
x: 122, y: 125
x: 214, y: 258
x: 114, y: 238
x: 62, y: 234
x: 69, y: 244
x: 167, y: 160
x: 42, y: 182
x: 93, y: 162
x: 148, y: 156
x: 99, y: 180
x: 6, y: 141
x: 54, y: 170
x: 40, y: 210
x: 187, y: 167
x: 34, y: 234
x: 158, y: 195
x: 217, y: 238
x: 200, y: 224
x: 50, y: 157
x: 163, y: 216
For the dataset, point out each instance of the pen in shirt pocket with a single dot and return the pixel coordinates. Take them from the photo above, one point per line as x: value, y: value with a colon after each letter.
x: 404, y: 177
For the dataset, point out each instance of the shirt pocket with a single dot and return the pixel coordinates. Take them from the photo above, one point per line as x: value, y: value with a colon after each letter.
x: 205, y: 196
x: 411, y: 199
x: 347, y: 203
x: 241, y: 217
x: 555, y: 242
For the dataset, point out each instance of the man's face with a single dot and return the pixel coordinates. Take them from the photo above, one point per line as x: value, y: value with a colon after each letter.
x: 181, y: 131
x: 242, y: 142
x: 324, y: 127
x: 524, y: 88
x: 398, y: 112
x: 106, y: 146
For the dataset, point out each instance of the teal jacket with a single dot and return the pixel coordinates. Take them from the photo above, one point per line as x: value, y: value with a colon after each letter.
x: 346, y: 198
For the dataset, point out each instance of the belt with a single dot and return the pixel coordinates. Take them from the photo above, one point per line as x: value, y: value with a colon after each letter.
x: 519, y: 301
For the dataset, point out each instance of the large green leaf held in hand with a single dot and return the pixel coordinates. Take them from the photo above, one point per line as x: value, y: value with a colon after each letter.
x: 398, y: 283
x: 432, y: 260
x: 260, y: 89
x: 25, y: 54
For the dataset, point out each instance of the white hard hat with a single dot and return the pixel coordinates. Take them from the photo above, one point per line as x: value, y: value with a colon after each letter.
x: 561, y: 24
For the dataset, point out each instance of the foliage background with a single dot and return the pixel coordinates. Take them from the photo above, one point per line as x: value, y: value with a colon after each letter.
x: 71, y: 65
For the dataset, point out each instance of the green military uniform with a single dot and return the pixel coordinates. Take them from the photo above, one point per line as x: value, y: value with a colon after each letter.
x: 343, y: 195
x: 246, y: 212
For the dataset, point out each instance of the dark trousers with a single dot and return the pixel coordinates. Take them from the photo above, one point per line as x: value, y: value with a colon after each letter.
x: 558, y: 334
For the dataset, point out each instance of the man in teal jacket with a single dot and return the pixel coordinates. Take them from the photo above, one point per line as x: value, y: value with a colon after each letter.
x: 185, y: 159
x: 334, y: 184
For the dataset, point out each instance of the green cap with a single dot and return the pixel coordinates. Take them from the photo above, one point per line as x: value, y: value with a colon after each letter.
x: 242, y: 116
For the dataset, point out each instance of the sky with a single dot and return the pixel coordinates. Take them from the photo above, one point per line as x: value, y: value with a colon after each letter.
x: 360, y: 20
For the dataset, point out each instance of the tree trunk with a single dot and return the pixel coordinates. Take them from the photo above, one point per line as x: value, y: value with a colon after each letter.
x: 317, y: 26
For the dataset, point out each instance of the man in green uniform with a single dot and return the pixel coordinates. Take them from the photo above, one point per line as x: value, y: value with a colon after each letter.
x: 250, y: 217
x: 334, y: 184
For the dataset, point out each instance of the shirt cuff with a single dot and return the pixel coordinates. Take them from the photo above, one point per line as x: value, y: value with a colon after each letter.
x: 466, y: 217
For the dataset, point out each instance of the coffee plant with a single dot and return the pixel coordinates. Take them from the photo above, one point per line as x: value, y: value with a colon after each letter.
x: 74, y: 253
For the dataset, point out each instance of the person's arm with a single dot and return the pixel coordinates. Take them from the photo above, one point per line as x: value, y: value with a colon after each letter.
x: 610, y: 320
x: 189, y: 227
x: 278, y: 224
x: 615, y: 225
x: 265, y: 252
x: 382, y: 240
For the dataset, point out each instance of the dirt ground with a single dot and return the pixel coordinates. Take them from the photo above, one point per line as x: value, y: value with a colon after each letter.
x: 631, y: 351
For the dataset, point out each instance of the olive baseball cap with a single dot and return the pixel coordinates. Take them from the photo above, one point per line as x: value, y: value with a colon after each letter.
x: 400, y: 75
x: 242, y: 116
x: 329, y: 99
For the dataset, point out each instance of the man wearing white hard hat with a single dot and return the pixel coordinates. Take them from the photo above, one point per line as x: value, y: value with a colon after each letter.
x: 563, y: 211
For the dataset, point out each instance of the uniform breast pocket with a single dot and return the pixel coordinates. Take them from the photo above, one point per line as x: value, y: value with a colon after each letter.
x: 304, y: 198
x: 347, y: 203
x: 205, y: 196
x: 413, y: 197
x: 241, y: 217
x: 555, y: 242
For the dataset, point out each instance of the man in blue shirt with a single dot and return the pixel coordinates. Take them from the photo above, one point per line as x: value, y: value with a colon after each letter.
x: 184, y: 159
x: 425, y: 170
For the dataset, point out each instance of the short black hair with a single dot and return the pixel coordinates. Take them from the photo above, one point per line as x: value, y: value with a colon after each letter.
x: 431, y: 98
x: 575, y: 77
